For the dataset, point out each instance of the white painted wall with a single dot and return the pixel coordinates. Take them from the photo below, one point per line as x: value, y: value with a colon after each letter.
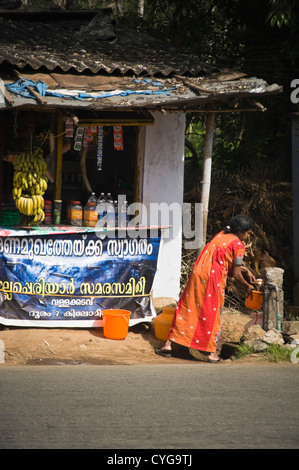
x: 162, y: 181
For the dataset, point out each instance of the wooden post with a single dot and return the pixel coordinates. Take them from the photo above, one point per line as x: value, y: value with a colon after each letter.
x: 207, y: 169
x: 59, y: 154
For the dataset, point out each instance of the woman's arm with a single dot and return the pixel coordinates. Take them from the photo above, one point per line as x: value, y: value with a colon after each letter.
x: 238, y: 272
x: 248, y: 273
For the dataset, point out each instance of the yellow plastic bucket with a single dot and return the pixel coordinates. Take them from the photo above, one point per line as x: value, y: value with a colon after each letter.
x: 254, y: 300
x: 162, y: 323
x: 116, y: 323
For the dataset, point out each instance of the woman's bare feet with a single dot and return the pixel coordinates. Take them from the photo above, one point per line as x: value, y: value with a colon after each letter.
x: 213, y: 358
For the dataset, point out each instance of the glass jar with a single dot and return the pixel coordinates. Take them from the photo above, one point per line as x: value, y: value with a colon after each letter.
x: 76, y: 213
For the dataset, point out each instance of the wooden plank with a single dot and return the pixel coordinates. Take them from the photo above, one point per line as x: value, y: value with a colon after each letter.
x: 8, y: 97
x: 59, y: 154
x: 31, y: 90
x: 86, y: 82
x: 43, y: 77
x: 37, y: 95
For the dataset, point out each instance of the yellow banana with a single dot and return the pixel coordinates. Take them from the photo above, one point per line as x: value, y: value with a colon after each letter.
x: 35, y: 206
x: 16, y: 176
x: 24, y: 183
x: 24, y: 205
x: 30, y: 206
x: 20, y: 204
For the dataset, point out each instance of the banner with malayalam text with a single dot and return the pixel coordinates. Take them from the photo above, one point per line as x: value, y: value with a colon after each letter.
x: 65, y: 278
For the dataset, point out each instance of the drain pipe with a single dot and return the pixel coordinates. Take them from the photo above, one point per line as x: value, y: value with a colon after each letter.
x: 273, y: 299
x: 276, y: 289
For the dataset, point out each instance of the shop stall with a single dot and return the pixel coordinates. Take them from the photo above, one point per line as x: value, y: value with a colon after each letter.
x: 69, y: 248
x: 92, y: 133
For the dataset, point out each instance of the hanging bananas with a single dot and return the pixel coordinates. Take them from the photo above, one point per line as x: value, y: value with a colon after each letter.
x: 29, y: 184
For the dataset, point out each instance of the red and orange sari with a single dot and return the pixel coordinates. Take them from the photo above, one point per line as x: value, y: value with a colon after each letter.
x: 196, y: 323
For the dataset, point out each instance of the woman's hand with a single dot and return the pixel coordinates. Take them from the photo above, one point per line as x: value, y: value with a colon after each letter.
x: 248, y: 290
x: 248, y: 274
x: 239, y: 272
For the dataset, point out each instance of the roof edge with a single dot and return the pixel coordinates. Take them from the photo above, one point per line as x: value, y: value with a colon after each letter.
x: 38, y: 14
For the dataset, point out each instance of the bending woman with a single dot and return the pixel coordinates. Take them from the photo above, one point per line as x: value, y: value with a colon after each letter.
x: 196, y: 323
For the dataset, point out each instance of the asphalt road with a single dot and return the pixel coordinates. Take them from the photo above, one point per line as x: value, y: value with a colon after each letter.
x: 196, y: 406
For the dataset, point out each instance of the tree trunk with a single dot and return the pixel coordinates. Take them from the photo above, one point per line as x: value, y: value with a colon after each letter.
x: 207, y: 169
x: 141, y: 8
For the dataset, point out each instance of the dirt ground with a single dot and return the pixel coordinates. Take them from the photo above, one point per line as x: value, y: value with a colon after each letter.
x: 53, y: 346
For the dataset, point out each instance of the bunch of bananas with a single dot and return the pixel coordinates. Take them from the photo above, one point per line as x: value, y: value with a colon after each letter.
x: 29, y: 184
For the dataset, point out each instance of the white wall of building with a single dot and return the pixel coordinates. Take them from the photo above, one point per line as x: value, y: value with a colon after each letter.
x: 162, y: 181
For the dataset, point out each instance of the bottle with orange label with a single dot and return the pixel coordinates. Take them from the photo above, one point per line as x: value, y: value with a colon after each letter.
x: 90, y: 215
x: 76, y: 213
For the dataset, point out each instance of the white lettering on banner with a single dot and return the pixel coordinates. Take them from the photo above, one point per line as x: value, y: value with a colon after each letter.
x: 74, y: 313
x: 40, y: 287
x: 31, y: 248
x: 121, y: 248
x: 131, y: 288
x: 65, y: 303
x: 40, y: 314
x: 67, y: 248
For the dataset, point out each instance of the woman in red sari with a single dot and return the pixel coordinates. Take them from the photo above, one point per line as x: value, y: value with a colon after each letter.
x: 196, y: 323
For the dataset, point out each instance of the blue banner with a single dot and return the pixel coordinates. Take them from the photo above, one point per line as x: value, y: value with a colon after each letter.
x: 66, y: 278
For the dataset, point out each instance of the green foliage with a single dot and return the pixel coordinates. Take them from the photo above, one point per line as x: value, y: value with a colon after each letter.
x: 243, y: 350
x: 273, y: 353
x: 282, y: 12
x: 230, y: 34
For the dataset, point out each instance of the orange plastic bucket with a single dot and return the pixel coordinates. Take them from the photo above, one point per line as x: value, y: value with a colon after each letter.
x: 254, y: 300
x: 116, y: 323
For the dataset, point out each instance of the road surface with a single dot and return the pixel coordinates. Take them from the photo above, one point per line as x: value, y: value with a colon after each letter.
x: 196, y: 406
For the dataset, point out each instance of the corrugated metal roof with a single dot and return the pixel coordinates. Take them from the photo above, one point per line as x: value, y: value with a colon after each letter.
x: 88, y: 43
x: 83, y: 51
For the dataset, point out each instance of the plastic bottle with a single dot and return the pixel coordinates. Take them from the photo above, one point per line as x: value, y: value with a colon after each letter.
x: 100, y: 209
x: 92, y: 198
x: 90, y: 215
x: 101, y: 198
x: 109, y: 198
x: 110, y: 207
x: 57, y: 211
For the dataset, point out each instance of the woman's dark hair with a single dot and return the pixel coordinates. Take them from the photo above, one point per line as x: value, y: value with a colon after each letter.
x: 239, y: 224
